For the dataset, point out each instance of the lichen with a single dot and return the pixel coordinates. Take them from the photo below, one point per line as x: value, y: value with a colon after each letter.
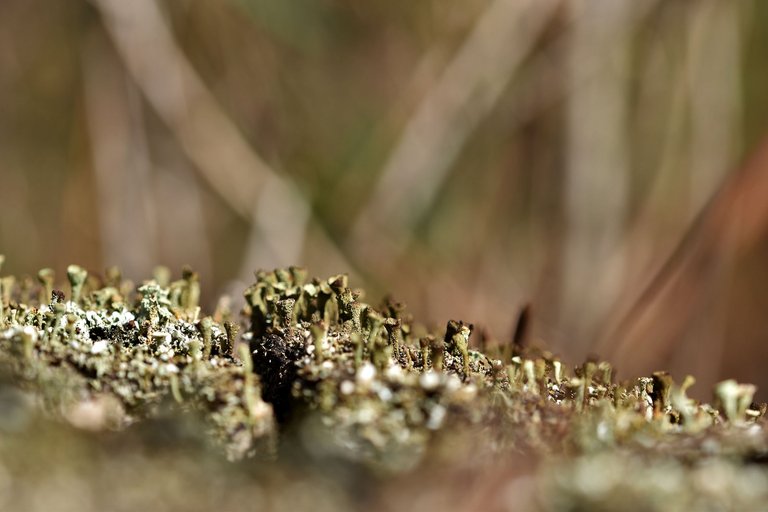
x: 136, y: 350
x: 317, y: 366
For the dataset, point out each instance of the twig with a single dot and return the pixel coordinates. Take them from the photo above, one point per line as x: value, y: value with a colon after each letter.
x: 211, y: 140
x: 120, y: 163
x: 465, y: 93
x: 695, y: 269
x: 597, y: 170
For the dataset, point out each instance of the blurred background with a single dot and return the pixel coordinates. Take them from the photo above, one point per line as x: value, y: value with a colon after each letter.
x: 600, y: 161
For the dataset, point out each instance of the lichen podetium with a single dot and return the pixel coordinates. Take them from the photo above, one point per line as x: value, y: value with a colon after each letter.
x: 315, y: 365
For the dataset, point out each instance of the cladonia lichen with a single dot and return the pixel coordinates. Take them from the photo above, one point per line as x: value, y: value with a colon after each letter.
x: 309, y: 360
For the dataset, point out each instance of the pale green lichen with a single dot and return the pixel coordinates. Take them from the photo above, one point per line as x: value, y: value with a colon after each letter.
x: 138, y: 349
x: 318, y: 366
x: 381, y: 391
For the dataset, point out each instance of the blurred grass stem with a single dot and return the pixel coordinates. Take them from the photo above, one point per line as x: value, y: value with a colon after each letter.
x: 434, y: 136
x: 212, y: 141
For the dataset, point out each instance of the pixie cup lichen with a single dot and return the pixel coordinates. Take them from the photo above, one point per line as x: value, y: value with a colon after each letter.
x: 308, y: 362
